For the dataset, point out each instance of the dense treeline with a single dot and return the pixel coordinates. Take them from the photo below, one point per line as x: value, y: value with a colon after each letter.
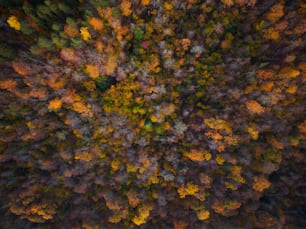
x: 152, y: 114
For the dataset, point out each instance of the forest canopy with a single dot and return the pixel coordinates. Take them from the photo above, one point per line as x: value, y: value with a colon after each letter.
x: 152, y: 114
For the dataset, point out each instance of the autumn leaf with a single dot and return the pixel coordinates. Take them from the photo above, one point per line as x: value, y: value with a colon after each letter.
x: 96, y: 23
x: 255, y: 107
x: 21, y: 68
x: 203, y: 214
x: 276, y: 12
x: 85, y: 34
x: 68, y: 54
x: 14, y: 22
x: 55, y: 104
x: 271, y: 34
x: 92, y: 70
x: 39, y: 93
x: 71, y: 31
x: 188, y: 189
x: 289, y: 72
x: 111, y: 65
x: 168, y: 6
x: 8, y: 85
x: 125, y: 7
x: 228, y: 2
x: 260, y: 184
x: 179, y: 224
x: 145, y: 2
x: 264, y: 74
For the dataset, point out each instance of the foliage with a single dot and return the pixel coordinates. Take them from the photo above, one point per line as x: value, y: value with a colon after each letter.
x: 152, y: 114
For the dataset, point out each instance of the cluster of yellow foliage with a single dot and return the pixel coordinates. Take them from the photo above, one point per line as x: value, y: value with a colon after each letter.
x: 219, y: 159
x: 228, y: 3
x: 288, y: 73
x: 198, y: 155
x: 143, y: 214
x: 218, y: 124
x: 85, y: 34
x: 236, y: 174
x: 14, y: 22
x: 203, y: 214
x: 83, y: 109
x: 83, y: 156
x: 253, y: 132
x: 34, y: 212
x: 115, y: 164
x: 120, y: 98
x: 221, y: 208
x: 188, y: 189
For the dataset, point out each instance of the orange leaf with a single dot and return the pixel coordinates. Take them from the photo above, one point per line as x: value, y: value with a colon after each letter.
x: 255, y: 107
x: 92, y: 70
x: 96, y: 23
x: 55, y: 104
x: 111, y: 65
x: 71, y: 31
x: 145, y: 2
x: 125, y: 7
x: 8, y: 85
x: 20, y: 68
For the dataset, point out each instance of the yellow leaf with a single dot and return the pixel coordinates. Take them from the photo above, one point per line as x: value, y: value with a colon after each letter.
x: 153, y: 118
x: 219, y: 159
x: 203, y: 214
x: 189, y: 189
x: 115, y: 164
x: 85, y: 33
x: 228, y: 2
x: 289, y: 72
x: 168, y: 6
x: 253, y: 132
x: 292, y: 89
x: 14, y: 23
